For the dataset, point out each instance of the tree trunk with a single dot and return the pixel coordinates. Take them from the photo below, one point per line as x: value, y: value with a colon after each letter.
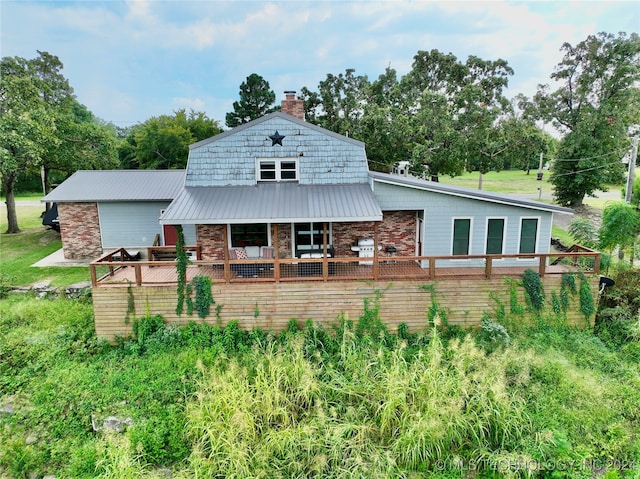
x: 46, y: 185
x: 8, y: 182
x: 480, y: 181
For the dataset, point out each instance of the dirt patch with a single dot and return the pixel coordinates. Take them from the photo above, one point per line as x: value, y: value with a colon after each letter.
x: 593, y: 215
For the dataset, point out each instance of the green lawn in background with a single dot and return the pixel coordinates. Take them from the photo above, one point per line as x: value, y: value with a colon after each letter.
x: 18, y: 252
x: 512, y: 181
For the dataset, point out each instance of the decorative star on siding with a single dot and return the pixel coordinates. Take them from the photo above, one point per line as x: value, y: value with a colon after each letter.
x: 276, y: 139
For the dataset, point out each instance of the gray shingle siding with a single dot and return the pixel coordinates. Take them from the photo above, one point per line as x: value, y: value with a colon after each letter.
x: 230, y: 159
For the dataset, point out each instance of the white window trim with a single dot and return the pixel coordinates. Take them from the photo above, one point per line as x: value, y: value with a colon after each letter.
x: 519, y: 238
x: 453, y: 222
x: 504, y: 233
x: 278, y: 171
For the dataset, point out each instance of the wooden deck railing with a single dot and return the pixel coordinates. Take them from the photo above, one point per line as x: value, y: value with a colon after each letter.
x: 395, y: 268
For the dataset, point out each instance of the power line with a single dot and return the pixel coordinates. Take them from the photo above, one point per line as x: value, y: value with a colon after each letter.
x: 619, y: 152
x: 586, y: 169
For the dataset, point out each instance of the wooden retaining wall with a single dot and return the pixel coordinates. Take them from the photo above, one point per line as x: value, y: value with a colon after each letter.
x: 270, y: 306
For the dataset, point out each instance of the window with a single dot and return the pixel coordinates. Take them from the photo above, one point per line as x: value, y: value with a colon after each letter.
x: 528, y: 235
x: 495, y: 235
x: 277, y: 169
x: 249, y: 235
x: 309, y: 235
x: 461, y: 236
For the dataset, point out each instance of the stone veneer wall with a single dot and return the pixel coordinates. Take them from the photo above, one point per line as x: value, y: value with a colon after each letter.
x: 80, y: 230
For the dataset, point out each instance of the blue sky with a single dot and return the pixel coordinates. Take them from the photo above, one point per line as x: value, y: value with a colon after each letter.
x: 129, y: 61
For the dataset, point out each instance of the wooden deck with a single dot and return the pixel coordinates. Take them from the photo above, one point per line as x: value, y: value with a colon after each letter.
x: 268, y: 294
x: 106, y: 272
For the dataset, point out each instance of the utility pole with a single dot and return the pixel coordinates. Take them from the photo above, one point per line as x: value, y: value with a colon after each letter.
x: 632, y: 170
x: 540, y: 167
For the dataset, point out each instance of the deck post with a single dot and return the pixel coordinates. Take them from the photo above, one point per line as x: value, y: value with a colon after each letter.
x: 543, y: 265
x: 432, y: 268
x: 276, y: 254
x: 138, y: 275
x: 94, y: 275
x: 596, y: 263
x: 488, y: 267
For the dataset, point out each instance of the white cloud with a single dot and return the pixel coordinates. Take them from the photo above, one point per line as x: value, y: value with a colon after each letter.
x: 135, y: 59
x: 195, y: 104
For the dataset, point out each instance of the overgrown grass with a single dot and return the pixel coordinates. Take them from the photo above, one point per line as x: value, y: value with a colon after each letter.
x: 353, y: 401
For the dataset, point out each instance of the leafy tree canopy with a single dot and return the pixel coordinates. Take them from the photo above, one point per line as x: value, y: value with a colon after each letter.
x: 256, y: 100
x: 596, y: 103
x: 163, y: 142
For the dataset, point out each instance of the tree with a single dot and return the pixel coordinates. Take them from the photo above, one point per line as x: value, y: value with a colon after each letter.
x: 81, y: 140
x: 84, y: 142
x: 26, y: 131
x: 595, y: 105
x: 163, y: 142
x: 620, y: 228
x: 339, y: 104
x: 256, y: 99
x: 456, y: 106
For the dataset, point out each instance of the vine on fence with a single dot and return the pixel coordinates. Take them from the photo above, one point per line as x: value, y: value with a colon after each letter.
x: 182, y: 260
x: 534, y: 290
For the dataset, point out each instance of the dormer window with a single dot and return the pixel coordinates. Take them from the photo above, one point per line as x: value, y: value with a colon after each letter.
x: 277, y: 169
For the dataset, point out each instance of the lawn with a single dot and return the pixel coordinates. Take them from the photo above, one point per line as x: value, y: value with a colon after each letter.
x: 18, y: 252
x: 518, y: 182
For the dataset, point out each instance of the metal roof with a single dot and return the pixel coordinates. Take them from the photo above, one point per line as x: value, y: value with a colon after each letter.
x: 273, y: 202
x: 437, y: 187
x: 118, y: 185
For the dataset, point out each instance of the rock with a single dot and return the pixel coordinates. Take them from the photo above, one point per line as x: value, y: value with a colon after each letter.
x: 77, y: 290
x: 7, y: 405
x: 31, y: 438
x: 112, y: 423
x: 41, y: 285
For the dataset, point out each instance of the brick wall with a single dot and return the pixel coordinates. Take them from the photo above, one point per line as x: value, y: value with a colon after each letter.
x: 211, y: 241
x: 284, y: 240
x: 80, y: 230
x: 292, y: 105
x: 398, y: 228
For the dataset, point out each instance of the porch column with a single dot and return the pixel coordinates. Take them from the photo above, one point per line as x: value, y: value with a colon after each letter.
x: 325, y: 260
x: 225, y: 242
x: 276, y: 254
x: 376, y: 264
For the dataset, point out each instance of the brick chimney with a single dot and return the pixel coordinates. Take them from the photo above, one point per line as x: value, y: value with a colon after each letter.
x: 292, y: 105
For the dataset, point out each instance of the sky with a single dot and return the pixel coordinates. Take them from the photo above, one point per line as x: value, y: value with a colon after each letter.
x: 128, y: 61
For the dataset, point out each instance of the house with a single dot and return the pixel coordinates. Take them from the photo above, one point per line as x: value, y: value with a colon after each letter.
x: 287, y: 221
x: 280, y: 173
